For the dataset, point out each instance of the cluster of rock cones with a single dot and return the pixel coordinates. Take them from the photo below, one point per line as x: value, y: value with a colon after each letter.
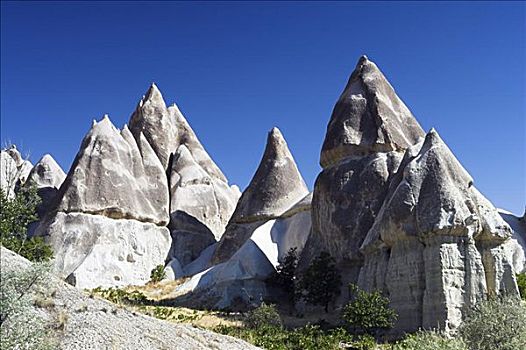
x: 392, y: 205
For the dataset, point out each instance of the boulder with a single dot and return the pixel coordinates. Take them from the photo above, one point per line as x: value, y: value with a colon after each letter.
x: 275, y: 187
x: 152, y: 119
x: 369, y: 117
x: 115, y: 176
x: 437, y: 245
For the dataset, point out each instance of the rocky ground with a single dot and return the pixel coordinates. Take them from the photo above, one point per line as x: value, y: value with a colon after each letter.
x: 83, y: 322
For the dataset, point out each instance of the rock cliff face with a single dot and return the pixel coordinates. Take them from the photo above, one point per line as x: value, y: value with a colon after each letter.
x: 437, y: 245
x: 400, y: 214
x: 368, y: 131
x: 275, y: 187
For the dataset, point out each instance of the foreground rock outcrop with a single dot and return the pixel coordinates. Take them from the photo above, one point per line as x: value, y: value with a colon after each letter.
x: 93, y: 323
x: 275, y: 187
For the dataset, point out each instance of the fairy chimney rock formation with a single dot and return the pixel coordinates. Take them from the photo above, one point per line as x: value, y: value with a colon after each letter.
x: 275, y: 187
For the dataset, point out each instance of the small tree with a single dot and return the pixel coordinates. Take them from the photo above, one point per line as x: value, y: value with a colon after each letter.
x: 157, y: 274
x: 368, y: 312
x: 263, y: 316
x: 285, y: 276
x: 321, y: 281
x: 15, y: 216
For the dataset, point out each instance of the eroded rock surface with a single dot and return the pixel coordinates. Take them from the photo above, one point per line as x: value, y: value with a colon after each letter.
x: 437, y: 245
x: 115, y: 176
x: 369, y: 117
x: 14, y: 170
x: 275, y: 187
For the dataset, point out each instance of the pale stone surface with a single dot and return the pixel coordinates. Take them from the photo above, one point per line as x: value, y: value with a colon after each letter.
x: 93, y: 250
x: 47, y: 173
x: 275, y: 187
x: 205, y: 199
x: 517, y: 246
x: 95, y: 324
x: 8, y: 174
x: 437, y: 245
x: 240, y: 281
x: 369, y: 117
x: 156, y: 123
x: 14, y: 170
x: 115, y: 176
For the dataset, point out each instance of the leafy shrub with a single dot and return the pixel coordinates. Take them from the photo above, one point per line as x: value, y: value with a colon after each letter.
x: 496, y: 324
x: 285, y: 276
x: 16, y: 214
x: 521, y: 282
x: 21, y: 327
x: 157, y: 274
x: 263, y: 316
x: 321, y: 281
x: 429, y: 340
x: 368, y: 312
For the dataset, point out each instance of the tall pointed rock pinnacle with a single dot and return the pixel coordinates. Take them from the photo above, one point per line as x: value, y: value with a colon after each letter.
x: 152, y: 118
x: 276, y: 186
x: 368, y: 117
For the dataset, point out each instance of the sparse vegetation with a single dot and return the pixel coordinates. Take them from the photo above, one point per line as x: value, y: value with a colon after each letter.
x: 521, y: 282
x: 157, y: 274
x: 498, y: 323
x: 321, y: 281
x: 429, y: 340
x: 20, y: 326
x: 368, y: 312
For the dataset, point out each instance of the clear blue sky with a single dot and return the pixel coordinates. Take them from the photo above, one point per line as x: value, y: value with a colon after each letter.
x: 238, y: 69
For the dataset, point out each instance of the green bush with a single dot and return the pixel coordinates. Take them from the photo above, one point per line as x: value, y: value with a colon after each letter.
x: 263, y: 316
x: 15, y: 216
x: 428, y: 340
x: 157, y: 274
x: 521, y: 282
x: 321, y: 281
x: 368, y: 312
x: 496, y: 324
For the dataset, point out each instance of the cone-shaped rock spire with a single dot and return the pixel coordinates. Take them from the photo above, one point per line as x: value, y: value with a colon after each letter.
x: 115, y: 176
x: 368, y: 117
x: 47, y: 173
x: 152, y: 118
x: 276, y: 186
